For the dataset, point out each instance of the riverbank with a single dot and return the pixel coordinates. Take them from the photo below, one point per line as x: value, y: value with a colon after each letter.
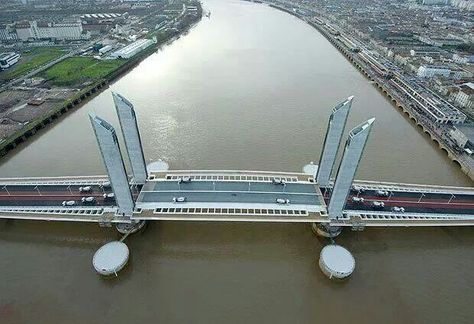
x: 397, y: 100
x: 78, y: 99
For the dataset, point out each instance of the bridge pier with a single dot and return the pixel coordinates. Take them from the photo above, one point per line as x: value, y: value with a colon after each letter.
x: 325, y: 230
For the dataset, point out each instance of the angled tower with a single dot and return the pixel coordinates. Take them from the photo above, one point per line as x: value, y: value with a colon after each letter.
x: 110, y: 151
x: 350, y: 161
x: 336, y: 125
x: 131, y: 134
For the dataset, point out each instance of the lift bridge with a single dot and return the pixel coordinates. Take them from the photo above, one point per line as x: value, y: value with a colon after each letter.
x: 154, y: 192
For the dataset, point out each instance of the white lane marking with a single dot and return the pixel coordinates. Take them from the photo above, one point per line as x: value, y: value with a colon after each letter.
x: 235, y: 191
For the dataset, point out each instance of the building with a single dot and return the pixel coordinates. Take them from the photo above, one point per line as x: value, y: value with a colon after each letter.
x: 355, y: 145
x: 132, y: 49
x: 33, y: 30
x: 337, y: 123
x: 131, y: 135
x: 429, y: 71
x: 465, y: 96
x: 8, y: 59
x: 7, y: 34
x: 463, y: 58
x: 112, y: 157
x: 435, y: 2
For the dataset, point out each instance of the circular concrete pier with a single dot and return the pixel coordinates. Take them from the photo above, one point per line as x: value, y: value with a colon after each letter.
x: 110, y: 258
x: 326, y: 230
x: 336, y: 262
x: 129, y: 228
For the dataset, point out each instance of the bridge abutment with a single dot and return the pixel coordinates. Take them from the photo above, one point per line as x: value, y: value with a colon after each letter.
x: 325, y: 230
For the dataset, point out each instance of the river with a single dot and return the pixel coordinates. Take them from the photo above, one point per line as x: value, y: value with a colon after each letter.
x: 249, y: 88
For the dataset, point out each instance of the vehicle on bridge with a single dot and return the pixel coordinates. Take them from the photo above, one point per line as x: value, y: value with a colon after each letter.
x: 184, y: 179
x: 398, y: 209
x: 85, y: 189
x: 282, y: 201
x: 358, y: 199
x: 278, y: 181
x: 179, y: 199
x: 382, y: 193
x: 88, y: 200
x: 69, y: 203
x: 378, y: 204
x: 109, y: 195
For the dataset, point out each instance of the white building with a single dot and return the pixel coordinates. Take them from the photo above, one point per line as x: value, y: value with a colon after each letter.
x: 132, y: 49
x: 28, y: 30
x: 463, y: 59
x: 465, y: 96
x: 428, y: 71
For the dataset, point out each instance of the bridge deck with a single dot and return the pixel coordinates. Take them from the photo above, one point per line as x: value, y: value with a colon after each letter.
x: 236, y: 196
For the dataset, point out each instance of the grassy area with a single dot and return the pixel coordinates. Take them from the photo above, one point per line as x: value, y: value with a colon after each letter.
x: 32, y: 59
x: 76, y: 70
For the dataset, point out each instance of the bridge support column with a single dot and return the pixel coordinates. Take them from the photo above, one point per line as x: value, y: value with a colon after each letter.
x: 325, y: 230
x: 130, y: 228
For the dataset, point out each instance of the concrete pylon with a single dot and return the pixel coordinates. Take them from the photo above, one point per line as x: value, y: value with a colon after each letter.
x: 112, y: 157
x: 350, y: 161
x: 336, y: 125
x: 131, y: 134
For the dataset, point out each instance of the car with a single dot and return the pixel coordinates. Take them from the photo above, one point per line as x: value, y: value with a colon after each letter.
x: 184, y: 179
x: 179, y: 199
x: 109, y: 195
x: 282, y: 201
x: 85, y: 189
x: 105, y: 184
x: 278, y: 181
x: 398, y: 209
x: 69, y: 203
x: 358, y: 189
x: 357, y: 199
x: 382, y: 193
x: 88, y: 200
x: 378, y: 204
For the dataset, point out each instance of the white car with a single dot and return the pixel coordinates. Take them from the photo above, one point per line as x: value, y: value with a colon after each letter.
x: 382, y: 193
x: 282, y: 201
x: 357, y: 199
x: 378, y: 204
x: 398, y: 209
x: 105, y: 184
x: 69, y: 203
x: 85, y: 189
x: 278, y: 181
x: 109, y: 195
x: 184, y: 179
x: 88, y: 200
x: 179, y: 199
x: 358, y: 189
